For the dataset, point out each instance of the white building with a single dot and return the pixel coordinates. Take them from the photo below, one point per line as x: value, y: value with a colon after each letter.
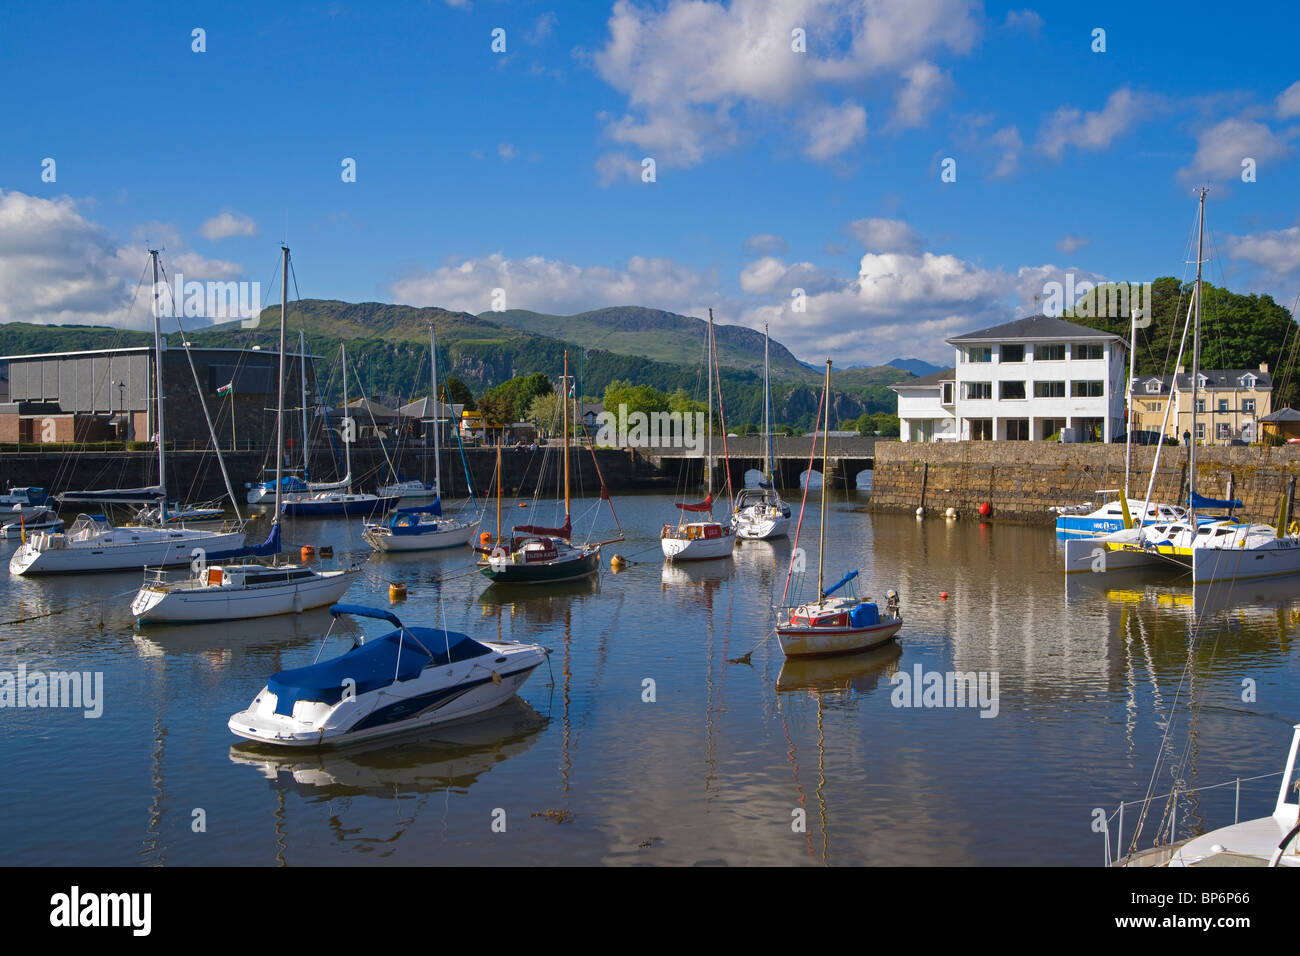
x: 1028, y: 380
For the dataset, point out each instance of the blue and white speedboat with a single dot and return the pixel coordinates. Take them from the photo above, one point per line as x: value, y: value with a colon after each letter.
x: 409, y: 678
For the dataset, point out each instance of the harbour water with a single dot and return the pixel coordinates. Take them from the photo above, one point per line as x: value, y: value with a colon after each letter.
x: 644, y: 743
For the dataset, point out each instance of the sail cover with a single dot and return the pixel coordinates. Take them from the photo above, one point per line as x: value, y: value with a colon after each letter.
x: 839, y: 584
x: 705, y: 505
x: 1199, y: 502
x: 566, y: 532
x: 109, y: 495
x: 430, y: 509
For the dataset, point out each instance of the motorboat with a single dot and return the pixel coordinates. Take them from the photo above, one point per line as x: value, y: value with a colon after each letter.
x: 41, y: 520
x: 409, y: 678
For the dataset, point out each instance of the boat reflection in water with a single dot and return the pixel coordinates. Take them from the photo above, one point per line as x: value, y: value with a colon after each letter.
x: 227, y: 641
x: 419, y: 766
x: 826, y: 680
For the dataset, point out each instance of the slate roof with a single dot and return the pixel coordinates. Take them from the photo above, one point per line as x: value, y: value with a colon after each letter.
x: 1224, y: 378
x: 934, y: 378
x: 1033, y: 327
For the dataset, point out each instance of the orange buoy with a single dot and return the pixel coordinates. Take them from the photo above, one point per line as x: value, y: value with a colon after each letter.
x: 396, y: 592
x: 308, y: 552
x: 485, y: 539
x: 523, y: 504
x: 985, y: 509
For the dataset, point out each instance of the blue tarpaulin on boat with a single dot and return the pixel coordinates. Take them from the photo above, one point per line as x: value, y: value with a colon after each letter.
x: 1197, y: 501
x: 375, y: 664
x: 434, y: 508
x: 865, y: 615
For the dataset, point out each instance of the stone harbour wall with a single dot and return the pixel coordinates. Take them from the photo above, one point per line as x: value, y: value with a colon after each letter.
x: 1023, y: 481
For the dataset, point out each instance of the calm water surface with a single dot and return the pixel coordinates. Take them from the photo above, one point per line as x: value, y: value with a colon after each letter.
x: 718, y: 767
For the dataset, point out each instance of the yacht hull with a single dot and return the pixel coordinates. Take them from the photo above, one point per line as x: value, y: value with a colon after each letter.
x: 131, y: 550
x: 181, y: 605
x: 383, y: 539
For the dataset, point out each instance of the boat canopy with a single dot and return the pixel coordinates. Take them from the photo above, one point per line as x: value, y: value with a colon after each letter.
x: 377, y: 663
x: 839, y: 584
x: 1199, y: 502
x: 433, y: 508
x: 114, y: 495
x: 565, y: 532
x: 705, y: 505
x: 287, y: 483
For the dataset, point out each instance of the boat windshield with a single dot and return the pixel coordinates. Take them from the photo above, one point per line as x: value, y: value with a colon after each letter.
x: 87, y: 525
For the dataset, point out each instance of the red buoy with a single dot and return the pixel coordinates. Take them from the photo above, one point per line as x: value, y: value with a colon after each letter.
x: 943, y: 595
x: 985, y: 509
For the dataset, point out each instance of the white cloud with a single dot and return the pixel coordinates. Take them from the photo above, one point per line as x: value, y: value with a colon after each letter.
x: 688, y: 68
x: 227, y: 224
x: 771, y: 276
x: 1221, y: 148
x: 1006, y: 143
x: 833, y: 129
x: 765, y: 243
x: 1276, y: 252
x: 612, y: 167
x: 1026, y: 20
x: 1096, y: 130
x: 542, y: 28
x: 506, y: 151
x: 924, y: 88
x: 58, y: 267
x: 1288, y: 101
x: 886, y: 235
x: 1072, y: 244
x: 552, y: 286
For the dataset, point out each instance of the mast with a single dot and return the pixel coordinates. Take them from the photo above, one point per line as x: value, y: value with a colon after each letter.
x: 437, y: 447
x: 821, y: 539
x: 348, y: 424
x: 498, y: 494
x: 279, y: 403
x: 158, y: 394
x: 1128, y: 399
x: 564, y: 402
x: 708, y: 455
x: 1196, y: 363
x: 302, y: 375
x: 767, y: 410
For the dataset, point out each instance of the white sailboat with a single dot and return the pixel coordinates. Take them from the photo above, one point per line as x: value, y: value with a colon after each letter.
x: 329, y: 499
x: 421, y: 528
x: 291, y: 486
x: 760, y: 514
x: 1212, y: 548
x: 95, y: 544
x: 834, y: 625
x: 701, y: 540
x: 222, y: 592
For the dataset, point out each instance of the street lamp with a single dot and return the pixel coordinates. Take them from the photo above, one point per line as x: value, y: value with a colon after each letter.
x: 121, y: 406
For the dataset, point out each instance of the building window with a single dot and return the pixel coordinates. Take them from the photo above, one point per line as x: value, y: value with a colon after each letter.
x: 1154, y: 407
x: 1049, y: 390
x: 1087, y: 389
x: 1248, y: 405
x: 1223, y: 404
x: 1248, y: 381
x: 1011, y: 391
x: 946, y: 387
x: 979, y: 354
x: 1153, y: 388
x: 981, y: 429
x: 1050, y: 428
x: 1017, y: 429
x: 1200, y: 406
x: 1221, y: 431
x: 977, y: 390
x: 1200, y: 431
x: 1049, y: 353
x: 1089, y: 351
x: 1013, y: 353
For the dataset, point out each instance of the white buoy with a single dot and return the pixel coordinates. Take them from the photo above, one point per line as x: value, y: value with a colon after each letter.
x: 920, y: 512
x: 950, y: 513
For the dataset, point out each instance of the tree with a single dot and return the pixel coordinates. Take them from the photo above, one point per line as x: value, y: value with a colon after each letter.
x: 545, y: 410
x: 452, y: 391
x: 512, y: 398
x: 638, y: 398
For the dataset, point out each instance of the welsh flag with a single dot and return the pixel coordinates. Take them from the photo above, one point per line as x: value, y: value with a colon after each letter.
x: 225, y: 389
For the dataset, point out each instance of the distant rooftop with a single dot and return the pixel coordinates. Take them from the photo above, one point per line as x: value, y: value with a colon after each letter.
x: 1033, y: 327
x: 1214, y: 379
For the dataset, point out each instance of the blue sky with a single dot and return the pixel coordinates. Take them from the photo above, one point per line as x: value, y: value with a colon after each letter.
x: 774, y: 169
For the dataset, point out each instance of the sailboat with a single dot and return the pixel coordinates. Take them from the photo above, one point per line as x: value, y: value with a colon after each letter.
x: 760, y: 514
x: 291, y: 486
x: 223, y: 592
x: 834, y: 625
x: 421, y: 528
x: 337, y: 498
x: 409, y: 678
x: 1213, y: 548
x: 535, y: 554
x: 701, y: 540
x: 93, y: 543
